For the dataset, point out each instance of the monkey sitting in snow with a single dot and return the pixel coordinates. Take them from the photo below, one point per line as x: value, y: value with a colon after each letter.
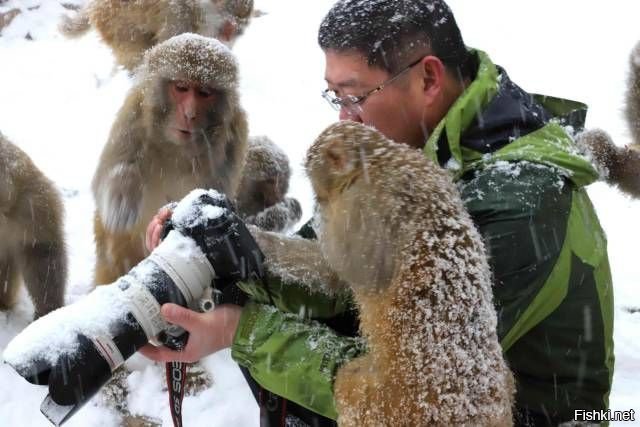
x: 620, y: 165
x: 32, y: 246
x: 393, y: 226
x: 265, y: 181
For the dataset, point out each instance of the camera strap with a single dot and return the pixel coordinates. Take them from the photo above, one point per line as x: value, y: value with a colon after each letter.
x: 176, y: 378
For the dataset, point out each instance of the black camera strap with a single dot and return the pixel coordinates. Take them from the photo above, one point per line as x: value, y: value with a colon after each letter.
x: 176, y: 378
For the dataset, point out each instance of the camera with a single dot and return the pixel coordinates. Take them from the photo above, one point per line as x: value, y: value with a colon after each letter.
x: 206, y: 250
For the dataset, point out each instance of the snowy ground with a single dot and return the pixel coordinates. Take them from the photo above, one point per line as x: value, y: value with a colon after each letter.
x: 58, y: 99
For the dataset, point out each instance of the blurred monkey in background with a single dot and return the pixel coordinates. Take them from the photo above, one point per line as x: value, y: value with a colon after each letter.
x: 32, y: 247
x: 265, y: 181
x: 130, y: 27
x: 181, y: 127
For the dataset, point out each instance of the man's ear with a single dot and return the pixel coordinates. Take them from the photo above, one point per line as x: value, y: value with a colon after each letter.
x: 433, y: 75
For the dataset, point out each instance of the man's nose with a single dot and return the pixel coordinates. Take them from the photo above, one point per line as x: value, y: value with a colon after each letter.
x: 347, y: 113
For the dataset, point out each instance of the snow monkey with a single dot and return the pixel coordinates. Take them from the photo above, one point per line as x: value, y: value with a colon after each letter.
x: 393, y: 226
x: 620, y: 165
x: 32, y: 244
x: 181, y: 127
x: 129, y: 27
x: 265, y: 181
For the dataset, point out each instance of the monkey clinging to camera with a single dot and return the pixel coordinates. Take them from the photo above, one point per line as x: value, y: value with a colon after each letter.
x: 393, y: 227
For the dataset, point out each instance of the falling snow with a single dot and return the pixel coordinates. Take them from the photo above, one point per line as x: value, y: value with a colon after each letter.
x: 58, y: 99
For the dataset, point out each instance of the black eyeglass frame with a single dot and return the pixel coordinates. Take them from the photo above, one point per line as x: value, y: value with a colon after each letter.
x: 349, y: 101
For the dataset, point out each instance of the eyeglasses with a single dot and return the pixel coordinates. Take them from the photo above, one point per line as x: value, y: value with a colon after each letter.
x: 351, y: 101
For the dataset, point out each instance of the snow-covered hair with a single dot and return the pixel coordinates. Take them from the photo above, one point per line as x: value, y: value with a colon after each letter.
x: 389, y: 33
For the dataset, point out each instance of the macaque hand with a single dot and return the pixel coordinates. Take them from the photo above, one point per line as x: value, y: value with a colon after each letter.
x: 155, y: 227
x: 208, y: 332
x: 293, y: 206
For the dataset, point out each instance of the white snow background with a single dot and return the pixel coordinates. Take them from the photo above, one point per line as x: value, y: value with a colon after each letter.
x: 58, y: 99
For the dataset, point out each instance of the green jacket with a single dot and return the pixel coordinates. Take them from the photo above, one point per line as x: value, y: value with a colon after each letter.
x: 522, y: 182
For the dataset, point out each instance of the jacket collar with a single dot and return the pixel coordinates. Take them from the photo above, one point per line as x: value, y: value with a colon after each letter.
x: 495, y: 120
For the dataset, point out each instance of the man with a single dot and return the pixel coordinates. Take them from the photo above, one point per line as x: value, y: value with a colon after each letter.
x: 402, y: 67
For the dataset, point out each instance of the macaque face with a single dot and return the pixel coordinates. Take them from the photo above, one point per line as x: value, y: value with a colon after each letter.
x: 191, y: 109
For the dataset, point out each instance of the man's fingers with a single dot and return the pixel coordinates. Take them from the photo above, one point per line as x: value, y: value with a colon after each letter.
x: 159, y: 354
x: 187, y: 319
x: 163, y: 354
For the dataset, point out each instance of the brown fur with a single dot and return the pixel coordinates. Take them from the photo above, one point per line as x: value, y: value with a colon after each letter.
x: 7, y: 17
x: 130, y: 27
x: 632, y: 108
x: 140, y: 169
x: 392, y: 225
x: 619, y: 166
x: 296, y: 261
x: 32, y: 248
x: 265, y: 182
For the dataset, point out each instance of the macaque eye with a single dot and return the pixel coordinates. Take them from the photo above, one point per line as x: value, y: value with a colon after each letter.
x: 205, y: 92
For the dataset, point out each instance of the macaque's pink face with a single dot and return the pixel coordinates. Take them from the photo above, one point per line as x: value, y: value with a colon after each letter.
x: 192, y: 105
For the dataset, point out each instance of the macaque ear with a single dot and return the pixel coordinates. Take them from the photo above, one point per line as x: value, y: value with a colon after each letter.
x: 337, y: 156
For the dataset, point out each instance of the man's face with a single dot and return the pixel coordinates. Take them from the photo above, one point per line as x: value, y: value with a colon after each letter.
x: 396, y: 111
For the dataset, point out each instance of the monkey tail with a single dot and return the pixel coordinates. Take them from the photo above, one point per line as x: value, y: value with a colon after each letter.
x: 75, y: 26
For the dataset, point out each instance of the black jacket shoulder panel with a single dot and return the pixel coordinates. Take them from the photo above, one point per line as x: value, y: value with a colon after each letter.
x: 511, y: 114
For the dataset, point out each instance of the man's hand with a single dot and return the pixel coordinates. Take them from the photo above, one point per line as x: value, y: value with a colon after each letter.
x: 208, y: 332
x: 154, y: 229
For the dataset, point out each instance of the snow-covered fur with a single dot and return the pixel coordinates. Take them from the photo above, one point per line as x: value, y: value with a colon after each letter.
x: 620, y: 166
x: 268, y: 161
x: 279, y: 217
x: 394, y: 228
